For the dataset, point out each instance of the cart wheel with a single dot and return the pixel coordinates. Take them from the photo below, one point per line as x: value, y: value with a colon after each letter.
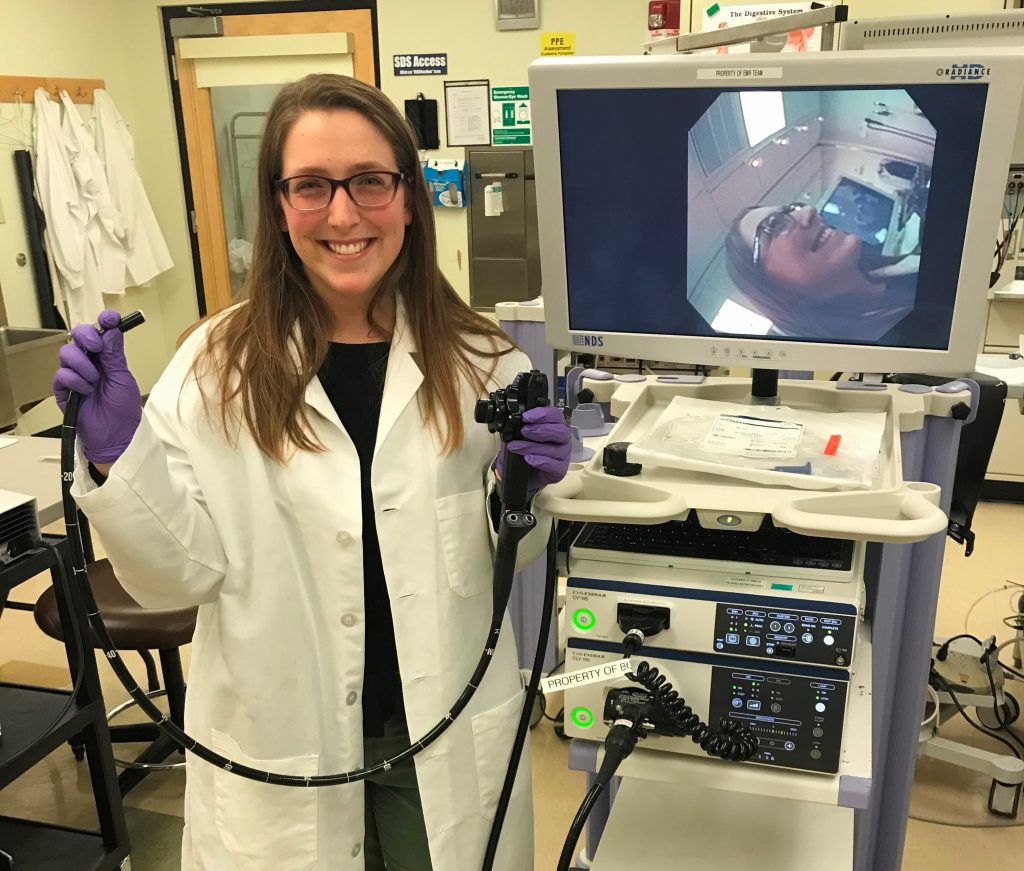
x: 1010, y: 714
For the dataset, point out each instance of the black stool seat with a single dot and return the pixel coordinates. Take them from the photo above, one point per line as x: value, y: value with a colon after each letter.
x: 131, y: 626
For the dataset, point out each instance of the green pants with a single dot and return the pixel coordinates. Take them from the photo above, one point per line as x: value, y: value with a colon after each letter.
x: 396, y: 837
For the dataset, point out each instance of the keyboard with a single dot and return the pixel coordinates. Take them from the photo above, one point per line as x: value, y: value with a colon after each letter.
x: 770, y: 545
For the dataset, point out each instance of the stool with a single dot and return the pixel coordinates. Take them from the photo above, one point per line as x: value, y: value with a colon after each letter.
x: 133, y: 627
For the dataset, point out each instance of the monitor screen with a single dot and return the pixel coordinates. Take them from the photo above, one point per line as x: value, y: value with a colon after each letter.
x: 803, y: 214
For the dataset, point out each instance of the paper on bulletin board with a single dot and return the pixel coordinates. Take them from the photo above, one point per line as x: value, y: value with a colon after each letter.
x: 510, y: 116
x: 465, y: 107
x: 806, y: 39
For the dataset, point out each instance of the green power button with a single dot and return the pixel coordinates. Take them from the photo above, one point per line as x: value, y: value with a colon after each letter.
x: 582, y: 717
x: 584, y: 619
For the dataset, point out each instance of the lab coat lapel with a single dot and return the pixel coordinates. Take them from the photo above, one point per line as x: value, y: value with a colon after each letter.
x: 401, y: 383
x: 403, y: 376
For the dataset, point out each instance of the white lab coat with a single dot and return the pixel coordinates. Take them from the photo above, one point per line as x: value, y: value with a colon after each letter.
x: 273, y: 556
x: 66, y: 213
x: 104, y: 253
x: 147, y: 254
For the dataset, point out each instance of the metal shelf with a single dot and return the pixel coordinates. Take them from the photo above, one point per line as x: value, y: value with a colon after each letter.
x: 38, y: 720
x: 30, y: 723
x: 43, y: 847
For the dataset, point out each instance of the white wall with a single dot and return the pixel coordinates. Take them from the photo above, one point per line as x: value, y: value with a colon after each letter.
x: 66, y: 38
x: 121, y: 42
x: 477, y: 51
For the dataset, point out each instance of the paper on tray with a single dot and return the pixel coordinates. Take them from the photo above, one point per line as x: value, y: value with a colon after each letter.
x: 781, y: 446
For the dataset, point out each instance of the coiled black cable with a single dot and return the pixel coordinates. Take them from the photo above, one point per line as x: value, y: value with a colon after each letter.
x: 731, y: 740
x: 505, y: 558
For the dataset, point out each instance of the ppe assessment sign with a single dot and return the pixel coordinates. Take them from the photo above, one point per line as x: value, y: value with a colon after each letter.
x: 421, y: 64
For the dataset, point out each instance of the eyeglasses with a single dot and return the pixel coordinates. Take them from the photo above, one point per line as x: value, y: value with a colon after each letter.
x: 307, y: 193
x: 777, y: 223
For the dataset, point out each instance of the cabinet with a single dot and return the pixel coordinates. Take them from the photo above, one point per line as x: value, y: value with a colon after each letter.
x: 38, y: 721
x: 504, y: 264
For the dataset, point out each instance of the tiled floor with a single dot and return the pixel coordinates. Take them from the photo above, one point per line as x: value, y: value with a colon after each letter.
x: 58, y: 789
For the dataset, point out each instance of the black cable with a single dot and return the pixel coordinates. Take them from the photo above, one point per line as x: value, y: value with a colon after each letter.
x: 79, y: 641
x: 1005, y: 667
x: 618, y: 744
x: 944, y: 647
x: 967, y: 717
x: 550, y: 581
x: 544, y: 702
x: 579, y: 821
x: 997, y: 709
x: 504, y: 567
x: 731, y: 740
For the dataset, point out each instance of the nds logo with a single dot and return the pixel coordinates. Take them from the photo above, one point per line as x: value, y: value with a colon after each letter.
x: 963, y: 72
x: 588, y: 341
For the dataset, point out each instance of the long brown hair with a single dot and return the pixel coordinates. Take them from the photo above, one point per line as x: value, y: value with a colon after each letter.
x: 266, y: 351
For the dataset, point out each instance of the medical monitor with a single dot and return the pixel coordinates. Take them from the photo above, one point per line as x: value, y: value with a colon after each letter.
x: 828, y: 211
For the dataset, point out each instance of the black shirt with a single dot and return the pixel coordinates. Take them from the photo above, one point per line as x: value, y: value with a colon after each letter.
x: 353, y: 378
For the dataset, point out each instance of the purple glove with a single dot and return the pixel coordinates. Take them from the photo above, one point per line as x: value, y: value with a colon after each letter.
x: 546, y: 444
x: 112, y: 406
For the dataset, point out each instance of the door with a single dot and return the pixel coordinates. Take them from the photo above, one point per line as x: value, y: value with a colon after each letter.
x: 228, y: 70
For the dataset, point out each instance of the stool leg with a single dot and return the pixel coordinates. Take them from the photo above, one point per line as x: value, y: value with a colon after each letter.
x: 151, y: 676
x: 174, y: 683
x: 77, y: 745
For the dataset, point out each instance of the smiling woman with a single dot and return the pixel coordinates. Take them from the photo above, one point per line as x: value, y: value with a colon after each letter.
x: 307, y: 472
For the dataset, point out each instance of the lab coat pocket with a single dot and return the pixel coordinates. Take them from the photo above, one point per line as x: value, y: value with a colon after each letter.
x: 465, y: 541
x: 265, y: 827
x: 493, y: 733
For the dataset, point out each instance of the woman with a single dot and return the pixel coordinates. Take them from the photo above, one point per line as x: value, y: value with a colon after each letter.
x: 814, y: 281
x: 307, y: 470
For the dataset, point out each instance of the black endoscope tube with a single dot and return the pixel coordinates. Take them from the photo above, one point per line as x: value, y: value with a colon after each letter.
x: 175, y: 733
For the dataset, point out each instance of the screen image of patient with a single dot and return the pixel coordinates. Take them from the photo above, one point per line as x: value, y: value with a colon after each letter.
x: 828, y: 247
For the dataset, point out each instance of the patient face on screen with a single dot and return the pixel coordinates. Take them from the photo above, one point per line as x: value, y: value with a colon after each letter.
x: 807, y: 211
x: 794, y: 247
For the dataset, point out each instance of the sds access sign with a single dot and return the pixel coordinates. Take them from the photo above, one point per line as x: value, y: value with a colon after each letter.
x: 421, y: 64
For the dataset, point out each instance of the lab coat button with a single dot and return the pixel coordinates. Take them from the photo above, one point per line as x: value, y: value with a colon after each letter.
x: 344, y: 538
x: 350, y: 699
x: 348, y: 620
x: 355, y: 850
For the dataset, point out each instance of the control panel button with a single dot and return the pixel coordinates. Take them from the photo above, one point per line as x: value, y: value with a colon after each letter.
x: 775, y: 626
x: 753, y: 705
x: 818, y: 732
x: 583, y: 717
x: 789, y: 628
x: 769, y: 649
x: 584, y: 619
x: 815, y: 754
x: 737, y: 703
x: 820, y: 707
x: 776, y: 708
x: 732, y: 638
x: 828, y: 640
x: 789, y: 745
x: 807, y: 638
x: 753, y: 641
